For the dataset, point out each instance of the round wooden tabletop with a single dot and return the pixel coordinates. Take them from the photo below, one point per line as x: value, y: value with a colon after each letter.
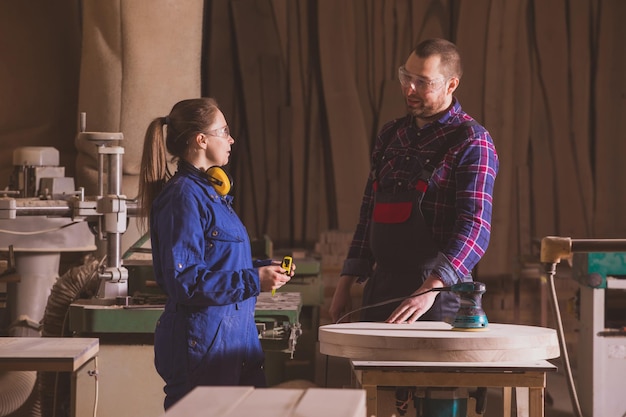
x: 427, y: 341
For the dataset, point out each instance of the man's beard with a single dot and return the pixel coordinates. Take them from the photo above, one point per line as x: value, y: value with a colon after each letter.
x: 428, y: 111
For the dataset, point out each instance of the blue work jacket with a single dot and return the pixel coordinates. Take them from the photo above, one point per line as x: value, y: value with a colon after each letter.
x: 202, y: 261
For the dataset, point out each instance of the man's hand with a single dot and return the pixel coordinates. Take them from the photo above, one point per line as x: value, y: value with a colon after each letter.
x: 413, y: 308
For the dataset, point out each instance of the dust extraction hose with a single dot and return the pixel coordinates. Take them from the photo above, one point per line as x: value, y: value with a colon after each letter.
x: 34, y: 394
x: 78, y: 282
x: 15, y: 388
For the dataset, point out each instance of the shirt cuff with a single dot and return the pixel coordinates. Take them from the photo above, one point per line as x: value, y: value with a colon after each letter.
x: 359, y: 268
x: 257, y: 263
x: 444, y: 270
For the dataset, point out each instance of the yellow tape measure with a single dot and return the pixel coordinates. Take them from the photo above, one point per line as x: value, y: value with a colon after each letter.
x: 286, y: 265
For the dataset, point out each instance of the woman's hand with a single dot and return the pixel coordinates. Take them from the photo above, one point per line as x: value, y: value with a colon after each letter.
x: 273, y: 277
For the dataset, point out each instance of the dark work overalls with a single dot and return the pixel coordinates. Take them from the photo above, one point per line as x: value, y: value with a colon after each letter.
x: 404, y: 249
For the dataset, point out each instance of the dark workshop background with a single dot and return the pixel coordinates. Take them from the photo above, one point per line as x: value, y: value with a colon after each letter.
x: 305, y: 85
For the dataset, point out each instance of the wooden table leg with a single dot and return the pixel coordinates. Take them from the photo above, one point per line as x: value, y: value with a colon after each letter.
x: 521, y: 401
x: 371, y: 392
x: 536, y: 402
x: 371, y: 400
x: 506, y: 401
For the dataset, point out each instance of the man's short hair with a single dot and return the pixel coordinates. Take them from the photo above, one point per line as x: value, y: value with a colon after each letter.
x: 450, y: 58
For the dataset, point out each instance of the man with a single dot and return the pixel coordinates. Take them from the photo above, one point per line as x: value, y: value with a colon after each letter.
x: 425, y: 218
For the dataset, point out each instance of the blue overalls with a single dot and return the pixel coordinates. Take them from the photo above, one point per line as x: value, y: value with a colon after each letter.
x: 202, y: 260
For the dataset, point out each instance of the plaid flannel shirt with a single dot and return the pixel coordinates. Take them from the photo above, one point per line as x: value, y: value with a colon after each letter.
x: 457, y: 203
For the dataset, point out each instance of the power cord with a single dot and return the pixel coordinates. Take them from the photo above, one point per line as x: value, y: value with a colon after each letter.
x: 95, y: 374
x: 551, y: 271
x: 393, y: 300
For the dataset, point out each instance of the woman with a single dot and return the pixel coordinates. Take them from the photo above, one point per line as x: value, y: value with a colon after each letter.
x: 201, y: 255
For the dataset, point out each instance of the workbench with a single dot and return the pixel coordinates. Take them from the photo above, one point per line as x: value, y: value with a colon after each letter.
x: 431, y: 354
x: 49, y: 354
x: 269, y: 402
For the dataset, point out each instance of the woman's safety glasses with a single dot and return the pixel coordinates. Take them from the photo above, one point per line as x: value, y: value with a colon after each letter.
x: 222, y: 132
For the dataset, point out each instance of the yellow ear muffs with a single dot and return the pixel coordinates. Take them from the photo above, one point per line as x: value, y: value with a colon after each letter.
x: 220, y: 179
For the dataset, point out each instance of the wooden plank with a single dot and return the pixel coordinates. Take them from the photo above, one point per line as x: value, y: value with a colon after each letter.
x: 609, y: 113
x: 542, y: 169
x: 499, y: 106
x: 507, y: 397
x: 521, y: 399
x: 317, y: 402
x: 579, y: 87
x: 388, y: 39
x: 521, y: 203
x: 316, y: 202
x: 285, y: 181
x: 431, y: 19
x: 471, y: 40
x: 552, y: 51
x: 220, y: 82
x: 403, y: 38
x: 378, y: 59
x: 347, y: 139
x: 362, y: 11
x: 256, y: 37
x: 209, y: 401
x: 281, y: 20
x: 298, y: 71
x: 393, y: 105
x: 521, y: 142
x: 217, y: 401
x: 268, y: 403
x: 219, y: 73
x: 39, y: 101
x: 272, y: 93
x: 536, y: 402
x: 60, y: 354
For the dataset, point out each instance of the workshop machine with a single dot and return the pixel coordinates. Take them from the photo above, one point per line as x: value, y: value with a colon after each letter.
x: 126, y: 303
x: 35, y: 238
x: 599, y: 267
x: 104, y: 215
x: 601, y: 346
